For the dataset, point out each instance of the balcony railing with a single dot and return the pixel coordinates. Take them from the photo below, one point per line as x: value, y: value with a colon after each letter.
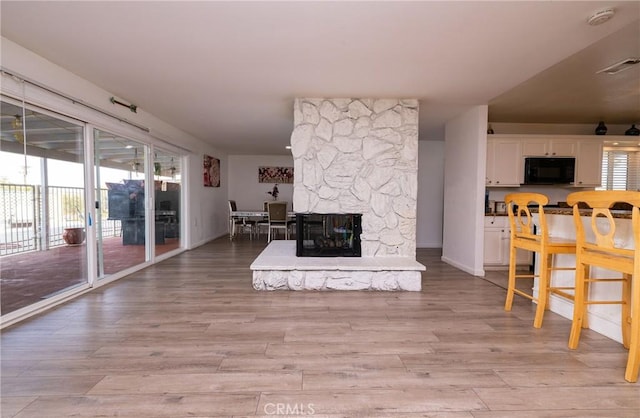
x: 26, y: 229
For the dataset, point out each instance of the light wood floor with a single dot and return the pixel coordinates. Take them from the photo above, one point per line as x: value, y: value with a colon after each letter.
x: 190, y: 337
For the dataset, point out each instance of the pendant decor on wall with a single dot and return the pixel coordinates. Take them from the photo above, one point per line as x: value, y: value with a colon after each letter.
x: 211, y: 167
x: 282, y: 175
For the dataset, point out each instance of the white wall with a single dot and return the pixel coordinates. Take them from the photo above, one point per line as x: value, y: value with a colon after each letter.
x: 207, y: 205
x: 205, y: 210
x: 430, y: 194
x: 242, y: 173
x: 465, y: 168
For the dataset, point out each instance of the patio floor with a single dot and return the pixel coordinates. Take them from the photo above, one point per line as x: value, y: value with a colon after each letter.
x: 30, y: 277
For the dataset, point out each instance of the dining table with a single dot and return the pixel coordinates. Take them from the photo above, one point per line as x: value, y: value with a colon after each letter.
x: 262, y: 214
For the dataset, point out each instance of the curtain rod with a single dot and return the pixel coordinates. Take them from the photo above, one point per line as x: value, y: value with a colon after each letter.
x: 72, y: 99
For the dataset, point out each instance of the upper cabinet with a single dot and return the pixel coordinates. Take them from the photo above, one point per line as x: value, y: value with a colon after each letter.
x: 589, y: 163
x: 549, y: 147
x: 506, y: 155
x: 504, y: 165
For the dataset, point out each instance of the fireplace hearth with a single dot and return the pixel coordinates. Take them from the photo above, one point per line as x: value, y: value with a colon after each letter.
x: 328, y: 234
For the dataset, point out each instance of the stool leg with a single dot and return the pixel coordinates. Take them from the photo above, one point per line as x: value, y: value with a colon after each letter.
x: 585, y: 315
x: 579, y: 307
x: 512, y: 278
x: 633, y: 361
x: 625, y: 320
x: 543, y: 288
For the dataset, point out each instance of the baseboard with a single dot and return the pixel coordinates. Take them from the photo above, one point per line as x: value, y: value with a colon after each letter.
x: 429, y: 245
x: 466, y: 269
x: 597, y: 323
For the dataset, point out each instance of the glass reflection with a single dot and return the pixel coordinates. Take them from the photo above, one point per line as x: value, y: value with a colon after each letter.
x: 42, y: 203
x: 121, y: 218
x: 167, y: 178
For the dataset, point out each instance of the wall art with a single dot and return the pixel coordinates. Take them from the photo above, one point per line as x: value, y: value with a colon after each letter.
x: 282, y: 175
x: 211, y: 167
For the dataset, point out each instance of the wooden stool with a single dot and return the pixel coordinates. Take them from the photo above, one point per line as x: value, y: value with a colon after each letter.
x: 523, y: 238
x: 601, y: 250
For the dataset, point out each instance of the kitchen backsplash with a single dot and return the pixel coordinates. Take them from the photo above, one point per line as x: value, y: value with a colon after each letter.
x: 555, y: 194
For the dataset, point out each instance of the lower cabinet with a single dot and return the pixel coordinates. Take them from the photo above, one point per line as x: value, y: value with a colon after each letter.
x: 496, y: 243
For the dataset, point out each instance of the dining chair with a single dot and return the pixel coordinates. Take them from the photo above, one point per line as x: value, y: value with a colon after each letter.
x: 525, y: 237
x: 277, y: 212
x: 600, y: 244
x: 263, y: 222
x: 240, y: 222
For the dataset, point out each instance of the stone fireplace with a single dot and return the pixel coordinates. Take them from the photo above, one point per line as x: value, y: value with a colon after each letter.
x: 353, y: 156
x: 360, y: 156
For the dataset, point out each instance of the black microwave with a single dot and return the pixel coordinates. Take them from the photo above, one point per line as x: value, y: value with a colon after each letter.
x: 540, y: 170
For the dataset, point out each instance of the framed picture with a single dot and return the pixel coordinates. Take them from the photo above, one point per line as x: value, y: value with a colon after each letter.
x: 281, y: 175
x: 211, y: 168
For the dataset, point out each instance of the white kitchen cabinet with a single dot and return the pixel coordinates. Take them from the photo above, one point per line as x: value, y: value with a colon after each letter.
x: 589, y: 163
x: 506, y: 154
x: 497, y: 239
x: 549, y: 147
x: 504, y: 165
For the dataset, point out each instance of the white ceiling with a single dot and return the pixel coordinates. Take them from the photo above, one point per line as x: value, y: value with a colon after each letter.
x: 227, y: 72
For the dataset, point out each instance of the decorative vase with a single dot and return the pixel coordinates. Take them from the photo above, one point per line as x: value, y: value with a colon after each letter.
x: 633, y: 131
x: 73, y: 236
x: 490, y: 130
x: 601, y: 129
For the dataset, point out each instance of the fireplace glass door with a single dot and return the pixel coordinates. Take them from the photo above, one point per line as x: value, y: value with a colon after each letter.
x: 328, y: 235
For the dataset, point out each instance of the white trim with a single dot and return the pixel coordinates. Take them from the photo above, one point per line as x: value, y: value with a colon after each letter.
x: 597, y: 323
x: 42, y: 306
x: 466, y: 269
x: 90, y: 207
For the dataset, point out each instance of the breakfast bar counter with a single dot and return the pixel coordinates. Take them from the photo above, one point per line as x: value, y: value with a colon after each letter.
x: 604, y: 319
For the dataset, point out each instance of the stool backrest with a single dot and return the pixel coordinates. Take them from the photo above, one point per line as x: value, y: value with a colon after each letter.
x: 598, y: 232
x: 520, y: 219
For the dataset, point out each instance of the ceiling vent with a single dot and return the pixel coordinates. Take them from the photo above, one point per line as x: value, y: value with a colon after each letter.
x: 600, y: 17
x: 625, y: 64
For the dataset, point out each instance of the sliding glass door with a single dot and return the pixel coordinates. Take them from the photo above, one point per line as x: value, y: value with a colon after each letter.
x: 167, y: 176
x: 48, y: 249
x: 121, y: 221
x: 42, y: 204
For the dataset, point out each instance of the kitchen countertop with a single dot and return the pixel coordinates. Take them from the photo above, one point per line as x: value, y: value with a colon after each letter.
x: 622, y: 214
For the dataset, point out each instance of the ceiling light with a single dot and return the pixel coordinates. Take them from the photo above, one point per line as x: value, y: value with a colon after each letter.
x: 129, y: 146
x: 287, y: 147
x: 601, y: 16
x: 625, y: 64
